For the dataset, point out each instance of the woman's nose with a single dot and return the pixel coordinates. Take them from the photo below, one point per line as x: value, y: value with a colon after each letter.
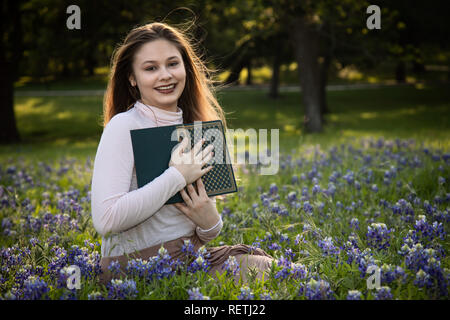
x: 165, y: 74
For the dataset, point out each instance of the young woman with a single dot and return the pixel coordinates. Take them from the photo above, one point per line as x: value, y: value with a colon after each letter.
x: 157, y: 80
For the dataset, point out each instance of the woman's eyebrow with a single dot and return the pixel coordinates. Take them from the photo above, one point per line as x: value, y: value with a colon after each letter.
x: 153, y: 61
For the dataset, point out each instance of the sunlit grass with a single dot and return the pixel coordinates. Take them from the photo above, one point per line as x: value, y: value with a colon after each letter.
x: 53, y: 126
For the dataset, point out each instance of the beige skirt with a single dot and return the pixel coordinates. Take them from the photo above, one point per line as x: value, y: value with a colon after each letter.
x: 248, y: 258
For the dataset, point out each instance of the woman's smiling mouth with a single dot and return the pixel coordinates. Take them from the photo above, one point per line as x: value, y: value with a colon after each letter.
x: 167, y: 88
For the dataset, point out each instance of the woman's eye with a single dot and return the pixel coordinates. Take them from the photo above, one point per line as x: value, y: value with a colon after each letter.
x: 174, y: 63
x: 150, y: 68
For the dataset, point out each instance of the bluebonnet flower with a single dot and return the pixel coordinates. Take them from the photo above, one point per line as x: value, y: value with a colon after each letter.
x: 95, y: 295
x: 199, y: 264
x: 268, y: 237
x: 425, y: 231
x: 161, y: 265
x: 284, y: 238
x: 273, y: 188
x: 114, y: 268
x: 122, y: 289
x: 34, y: 288
x: 378, y: 236
x: 135, y: 268
x: 274, y: 246
x: 328, y: 248
x: 316, y: 189
x: 195, y: 294
x: 286, y: 268
x: 354, y: 223
x: 423, y: 279
x: 357, y: 185
x: 246, y: 294
x: 188, y: 247
x: 299, y: 271
x: 305, y: 192
x: 405, y: 209
x: 265, y: 296
x: 354, y: 295
x: 231, y: 266
x: 383, y: 293
x: 387, y: 273
x: 294, y: 179
x: 289, y: 253
x: 307, y: 207
x: 331, y: 189
x: 349, y: 177
x: 59, y: 261
x: 441, y: 180
x: 316, y: 290
x: 374, y: 188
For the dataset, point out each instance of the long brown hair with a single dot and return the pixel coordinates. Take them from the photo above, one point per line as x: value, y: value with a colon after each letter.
x: 197, y: 101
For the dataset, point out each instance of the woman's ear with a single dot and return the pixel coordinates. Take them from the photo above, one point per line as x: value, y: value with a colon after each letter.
x: 132, y: 81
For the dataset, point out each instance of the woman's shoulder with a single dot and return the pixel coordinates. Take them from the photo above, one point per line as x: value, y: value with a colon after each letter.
x: 123, y: 120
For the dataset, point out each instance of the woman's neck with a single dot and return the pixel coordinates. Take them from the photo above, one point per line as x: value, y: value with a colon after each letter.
x: 170, y: 108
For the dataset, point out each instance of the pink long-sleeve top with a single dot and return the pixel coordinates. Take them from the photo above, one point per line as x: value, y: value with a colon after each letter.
x: 127, y: 217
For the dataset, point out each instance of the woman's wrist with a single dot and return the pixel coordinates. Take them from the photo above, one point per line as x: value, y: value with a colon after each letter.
x: 210, y: 225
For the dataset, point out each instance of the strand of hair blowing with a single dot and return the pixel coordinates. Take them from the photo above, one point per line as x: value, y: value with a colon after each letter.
x: 197, y: 101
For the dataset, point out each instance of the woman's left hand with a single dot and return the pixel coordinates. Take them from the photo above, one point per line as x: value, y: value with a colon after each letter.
x: 198, y: 207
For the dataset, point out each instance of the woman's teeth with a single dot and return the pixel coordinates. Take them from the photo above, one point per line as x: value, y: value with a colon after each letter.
x: 166, y: 87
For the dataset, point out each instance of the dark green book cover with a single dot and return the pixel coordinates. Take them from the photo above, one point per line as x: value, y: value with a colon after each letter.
x: 152, y: 149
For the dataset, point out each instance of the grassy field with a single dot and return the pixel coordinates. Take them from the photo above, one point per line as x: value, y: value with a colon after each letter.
x: 53, y: 126
x: 371, y: 191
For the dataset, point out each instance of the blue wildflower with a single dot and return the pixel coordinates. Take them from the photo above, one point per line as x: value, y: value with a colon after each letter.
x: 122, y: 289
x: 246, y: 294
x: 354, y: 295
x: 195, y: 294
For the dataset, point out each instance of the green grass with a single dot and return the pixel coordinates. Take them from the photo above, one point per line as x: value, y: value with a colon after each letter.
x: 54, y: 126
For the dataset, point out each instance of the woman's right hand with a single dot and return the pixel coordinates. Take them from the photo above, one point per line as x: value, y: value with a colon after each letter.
x: 190, y: 163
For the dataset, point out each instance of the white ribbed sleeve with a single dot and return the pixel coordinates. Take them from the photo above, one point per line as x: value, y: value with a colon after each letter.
x: 114, y: 207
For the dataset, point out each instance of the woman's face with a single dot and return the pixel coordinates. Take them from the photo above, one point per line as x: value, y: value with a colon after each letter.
x: 158, y: 64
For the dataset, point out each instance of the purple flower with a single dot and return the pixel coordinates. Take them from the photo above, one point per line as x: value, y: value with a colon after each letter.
x: 316, y: 290
x: 273, y: 188
x: 354, y: 223
x: 328, y: 248
x: 120, y: 289
x: 35, y: 288
x: 95, y: 295
x: 383, y: 293
x: 378, y: 236
x: 246, y: 294
x: 423, y: 279
x: 231, y: 266
x: 195, y: 294
x: 354, y: 295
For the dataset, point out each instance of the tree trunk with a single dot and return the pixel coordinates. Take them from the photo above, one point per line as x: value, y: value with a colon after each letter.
x: 8, y: 128
x: 249, y: 80
x: 11, y: 29
x: 233, y: 78
x: 306, y: 39
x: 400, y: 72
x: 324, y: 67
x: 275, y: 79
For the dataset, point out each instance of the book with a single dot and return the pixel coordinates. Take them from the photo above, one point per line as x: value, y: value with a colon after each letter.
x: 152, y: 149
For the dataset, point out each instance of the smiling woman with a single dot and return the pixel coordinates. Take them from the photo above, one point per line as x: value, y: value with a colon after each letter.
x: 158, y: 80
